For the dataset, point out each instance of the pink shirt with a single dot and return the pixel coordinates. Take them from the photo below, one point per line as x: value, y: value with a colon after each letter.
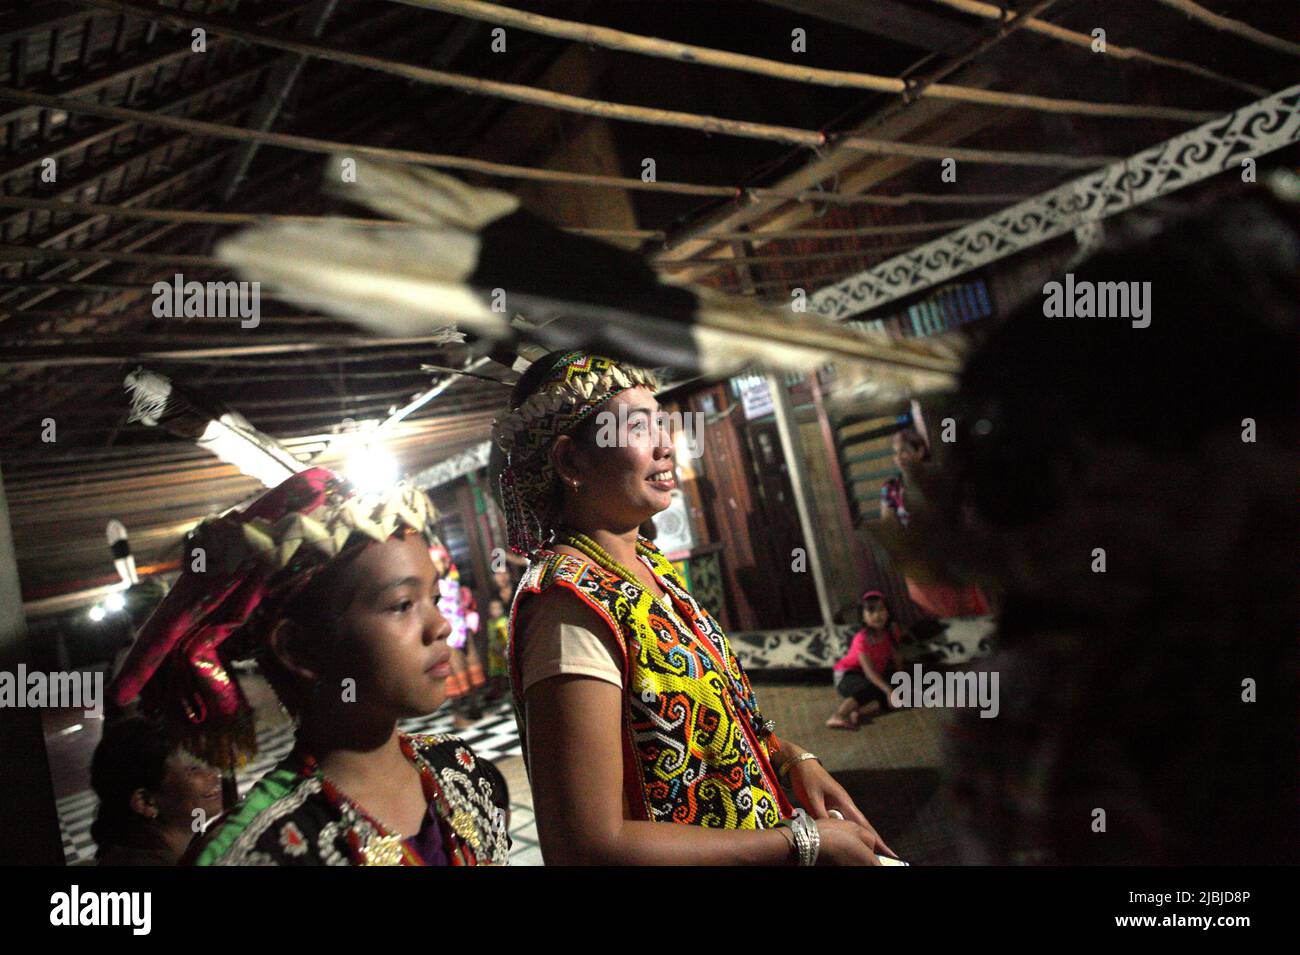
x: 875, y: 646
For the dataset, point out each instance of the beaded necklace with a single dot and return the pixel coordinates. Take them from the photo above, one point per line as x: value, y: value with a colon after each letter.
x: 389, y: 846
x: 598, y: 555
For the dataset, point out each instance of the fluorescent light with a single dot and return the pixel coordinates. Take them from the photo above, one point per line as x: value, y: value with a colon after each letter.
x: 239, y: 446
x: 97, y: 613
x: 115, y: 602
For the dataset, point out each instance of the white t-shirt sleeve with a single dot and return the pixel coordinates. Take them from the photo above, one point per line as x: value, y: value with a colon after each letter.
x: 560, y: 638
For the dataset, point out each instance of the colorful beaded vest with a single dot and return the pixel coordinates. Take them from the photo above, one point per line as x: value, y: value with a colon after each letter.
x: 695, y: 748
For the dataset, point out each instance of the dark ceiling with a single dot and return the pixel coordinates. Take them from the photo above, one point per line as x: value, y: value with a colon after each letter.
x: 72, y: 326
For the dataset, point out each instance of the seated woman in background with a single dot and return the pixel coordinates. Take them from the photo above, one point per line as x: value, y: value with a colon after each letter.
x: 337, y: 599
x: 936, y: 598
x: 153, y: 796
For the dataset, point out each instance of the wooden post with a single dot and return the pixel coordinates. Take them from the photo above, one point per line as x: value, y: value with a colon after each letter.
x: 837, y: 478
x: 466, y: 497
x: 788, y: 430
x: 27, y: 796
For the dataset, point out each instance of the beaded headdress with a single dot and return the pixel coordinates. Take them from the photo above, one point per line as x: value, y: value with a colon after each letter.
x: 239, y: 571
x: 576, y: 385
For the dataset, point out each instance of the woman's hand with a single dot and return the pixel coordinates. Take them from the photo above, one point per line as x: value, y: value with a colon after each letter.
x: 845, y: 843
x: 819, y: 793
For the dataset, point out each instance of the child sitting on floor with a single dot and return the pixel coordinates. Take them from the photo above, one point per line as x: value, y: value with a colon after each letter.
x: 861, y: 675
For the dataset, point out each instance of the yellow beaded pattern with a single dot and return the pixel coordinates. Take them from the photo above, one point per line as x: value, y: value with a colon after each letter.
x: 695, y: 744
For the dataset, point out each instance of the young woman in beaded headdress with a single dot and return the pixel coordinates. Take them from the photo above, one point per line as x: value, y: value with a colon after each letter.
x: 644, y: 740
x: 337, y: 599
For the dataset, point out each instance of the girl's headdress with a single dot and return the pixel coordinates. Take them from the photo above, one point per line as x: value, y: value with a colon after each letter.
x: 239, y: 571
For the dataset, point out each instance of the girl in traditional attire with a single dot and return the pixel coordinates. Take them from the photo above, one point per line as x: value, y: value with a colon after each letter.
x: 644, y: 740
x: 336, y: 597
x: 466, y: 679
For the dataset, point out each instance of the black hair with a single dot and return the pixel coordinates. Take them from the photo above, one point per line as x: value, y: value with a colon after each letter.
x: 316, y: 609
x: 1220, y: 347
x: 1078, y: 434
x: 878, y: 600
x: 915, y: 439
x: 132, y: 754
x: 537, y: 374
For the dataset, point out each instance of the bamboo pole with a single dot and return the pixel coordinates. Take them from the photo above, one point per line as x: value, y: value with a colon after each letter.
x: 251, y: 218
x: 688, y: 53
x: 575, y: 104
x: 328, y: 147
x: 882, y: 170
x: 17, y: 252
x: 57, y: 315
x: 469, y: 84
x: 238, y: 218
x: 772, y: 259
x: 73, y: 386
x: 905, y: 228
x: 68, y: 193
x: 162, y: 258
x: 989, y: 11
x: 1235, y: 27
x: 130, y: 341
x: 884, y: 147
x: 805, y: 281
x: 272, y: 320
x: 208, y: 354
x: 179, y: 215
x: 436, y: 160
x: 69, y: 286
x: 816, y: 197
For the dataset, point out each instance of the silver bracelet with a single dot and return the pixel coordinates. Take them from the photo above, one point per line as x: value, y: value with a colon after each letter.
x: 788, y: 833
x: 801, y: 841
x: 807, y: 837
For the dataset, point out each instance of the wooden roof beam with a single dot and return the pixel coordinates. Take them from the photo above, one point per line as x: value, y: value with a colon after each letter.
x: 143, y: 62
